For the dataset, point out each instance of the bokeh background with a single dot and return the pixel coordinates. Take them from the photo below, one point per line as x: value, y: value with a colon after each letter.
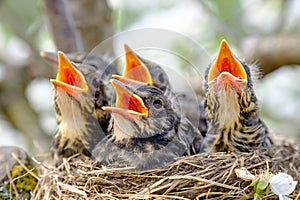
x: 264, y: 32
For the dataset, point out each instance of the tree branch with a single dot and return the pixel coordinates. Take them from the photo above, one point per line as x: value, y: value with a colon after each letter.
x: 272, y: 52
x: 93, y: 20
x: 61, y: 26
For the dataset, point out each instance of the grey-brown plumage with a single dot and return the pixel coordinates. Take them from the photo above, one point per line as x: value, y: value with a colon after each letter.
x: 232, y: 109
x: 148, y: 134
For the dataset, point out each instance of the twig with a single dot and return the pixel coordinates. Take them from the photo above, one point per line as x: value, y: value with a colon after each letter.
x: 28, y: 171
x: 205, y: 181
x: 12, y: 185
x: 72, y: 189
x: 144, y: 191
x: 231, y: 170
x: 159, y: 197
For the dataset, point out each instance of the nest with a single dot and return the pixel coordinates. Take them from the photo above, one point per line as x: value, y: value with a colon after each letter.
x: 202, y: 176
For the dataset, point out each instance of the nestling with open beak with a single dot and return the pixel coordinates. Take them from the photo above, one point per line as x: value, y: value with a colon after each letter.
x: 146, y: 133
x: 97, y: 71
x: 151, y: 73
x: 78, y: 127
x: 231, y: 106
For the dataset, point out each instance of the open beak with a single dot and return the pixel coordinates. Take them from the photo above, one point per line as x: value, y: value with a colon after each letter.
x: 69, y: 78
x: 227, y: 69
x: 128, y: 104
x: 50, y: 56
x: 134, y: 68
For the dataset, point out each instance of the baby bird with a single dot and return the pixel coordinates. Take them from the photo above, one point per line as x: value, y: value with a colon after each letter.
x: 146, y: 133
x: 231, y: 105
x: 78, y: 126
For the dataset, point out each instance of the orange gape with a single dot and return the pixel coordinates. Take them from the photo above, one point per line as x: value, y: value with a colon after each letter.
x: 69, y: 78
x: 125, y: 99
x: 135, y: 69
x: 128, y: 105
x: 226, y: 62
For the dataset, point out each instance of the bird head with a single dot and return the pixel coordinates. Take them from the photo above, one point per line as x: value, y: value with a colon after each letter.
x: 94, y: 68
x: 229, y: 89
x: 142, y: 70
x: 227, y: 72
x: 143, y: 108
x: 97, y: 72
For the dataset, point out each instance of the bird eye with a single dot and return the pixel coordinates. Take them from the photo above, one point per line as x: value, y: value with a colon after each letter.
x: 95, y: 82
x: 157, y: 103
x: 161, y: 78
